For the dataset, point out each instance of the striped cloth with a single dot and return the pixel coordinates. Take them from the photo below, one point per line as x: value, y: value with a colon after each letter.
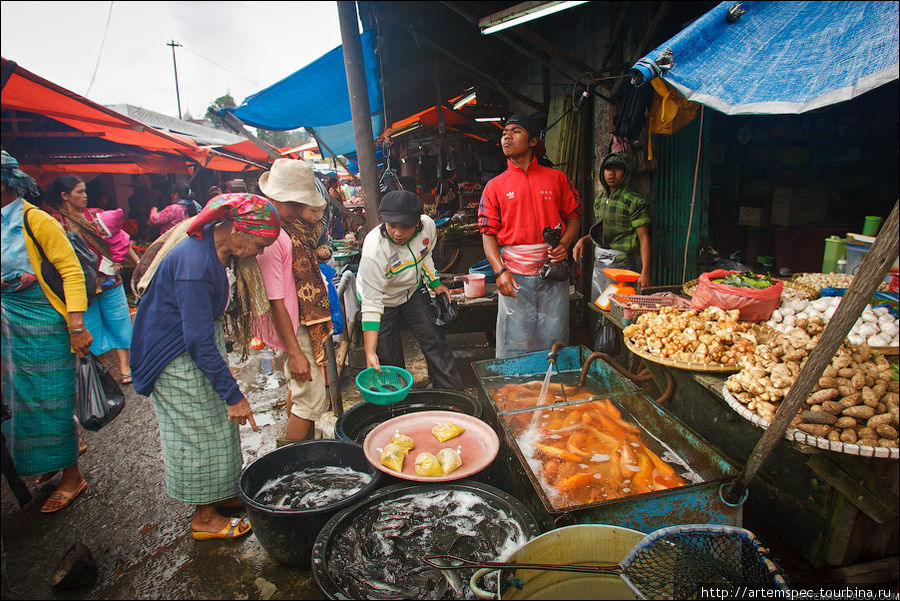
x: 201, y: 448
x: 38, y: 383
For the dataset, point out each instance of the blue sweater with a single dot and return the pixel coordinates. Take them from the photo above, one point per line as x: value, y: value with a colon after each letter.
x: 177, y: 314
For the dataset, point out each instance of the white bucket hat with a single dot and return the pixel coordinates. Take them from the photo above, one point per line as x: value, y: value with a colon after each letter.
x: 291, y: 180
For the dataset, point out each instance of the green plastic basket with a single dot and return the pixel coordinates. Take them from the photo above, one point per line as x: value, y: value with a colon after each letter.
x: 389, y: 386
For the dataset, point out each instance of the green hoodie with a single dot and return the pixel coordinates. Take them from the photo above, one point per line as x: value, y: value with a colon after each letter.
x: 621, y: 211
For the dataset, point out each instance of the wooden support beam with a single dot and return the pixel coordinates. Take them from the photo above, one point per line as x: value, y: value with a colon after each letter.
x: 551, y: 49
x: 642, y: 47
x: 232, y: 120
x: 459, y: 65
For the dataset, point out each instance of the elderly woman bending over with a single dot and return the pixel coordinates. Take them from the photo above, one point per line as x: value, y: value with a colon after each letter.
x: 178, y: 355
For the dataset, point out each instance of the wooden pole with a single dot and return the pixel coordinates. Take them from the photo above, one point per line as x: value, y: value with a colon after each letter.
x: 874, y: 267
x: 359, y: 110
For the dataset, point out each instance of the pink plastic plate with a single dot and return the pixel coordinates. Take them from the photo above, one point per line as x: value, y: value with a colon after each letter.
x: 479, y: 443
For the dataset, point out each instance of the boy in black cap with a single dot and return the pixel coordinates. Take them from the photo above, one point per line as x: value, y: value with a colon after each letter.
x: 532, y: 312
x: 395, y: 267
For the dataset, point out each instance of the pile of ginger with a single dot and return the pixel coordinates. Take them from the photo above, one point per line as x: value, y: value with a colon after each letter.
x: 855, y: 401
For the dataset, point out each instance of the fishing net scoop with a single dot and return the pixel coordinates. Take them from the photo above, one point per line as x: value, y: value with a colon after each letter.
x: 679, y: 562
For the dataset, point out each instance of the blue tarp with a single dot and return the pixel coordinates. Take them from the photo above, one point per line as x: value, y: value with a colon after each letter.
x: 782, y: 57
x: 316, y: 96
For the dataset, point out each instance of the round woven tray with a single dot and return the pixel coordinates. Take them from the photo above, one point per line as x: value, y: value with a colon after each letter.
x: 808, y: 439
x: 702, y: 367
x: 807, y: 291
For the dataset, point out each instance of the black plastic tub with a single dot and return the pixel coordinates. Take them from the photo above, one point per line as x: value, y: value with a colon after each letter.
x: 288, y: 535
x: 346, y: 517
x: 360, y: 419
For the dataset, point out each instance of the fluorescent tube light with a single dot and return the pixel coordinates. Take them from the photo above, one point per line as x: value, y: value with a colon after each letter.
x: 522, y: 13
x: 463, y: 101
x: 485, y: 119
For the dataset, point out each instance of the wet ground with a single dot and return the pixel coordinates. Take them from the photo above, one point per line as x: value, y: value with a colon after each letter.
x: 138, y: 535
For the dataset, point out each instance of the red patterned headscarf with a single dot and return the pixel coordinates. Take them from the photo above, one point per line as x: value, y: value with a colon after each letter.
x: 248, y: 213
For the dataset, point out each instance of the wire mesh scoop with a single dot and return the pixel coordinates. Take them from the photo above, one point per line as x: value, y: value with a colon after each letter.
x: 679, y: 562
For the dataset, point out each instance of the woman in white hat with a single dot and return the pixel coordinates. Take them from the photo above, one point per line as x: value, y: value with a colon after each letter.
x: 301, y: 316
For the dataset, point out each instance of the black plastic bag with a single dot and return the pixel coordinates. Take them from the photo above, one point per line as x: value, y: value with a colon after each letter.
x: 445, y: 310
x: 558, y: 271
x: 98, y: 396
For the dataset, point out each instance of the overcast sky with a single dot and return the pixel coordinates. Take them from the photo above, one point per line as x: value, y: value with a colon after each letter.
x: 236, y: 47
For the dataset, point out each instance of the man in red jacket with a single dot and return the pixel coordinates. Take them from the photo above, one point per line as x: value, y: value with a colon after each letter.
x: 532, y: 312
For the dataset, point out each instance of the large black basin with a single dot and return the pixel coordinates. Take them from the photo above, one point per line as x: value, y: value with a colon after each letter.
x: 360, y: 419
x: 288, y: 535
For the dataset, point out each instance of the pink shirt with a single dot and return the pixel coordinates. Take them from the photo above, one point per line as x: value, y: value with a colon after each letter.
x: 278, y: 277
x: 169, y: 217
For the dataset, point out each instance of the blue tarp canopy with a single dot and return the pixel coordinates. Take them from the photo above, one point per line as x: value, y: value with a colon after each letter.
x: 316, y: 96
x: 781, y: 57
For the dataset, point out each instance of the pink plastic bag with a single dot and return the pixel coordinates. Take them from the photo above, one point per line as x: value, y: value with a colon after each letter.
x: 754, y: 304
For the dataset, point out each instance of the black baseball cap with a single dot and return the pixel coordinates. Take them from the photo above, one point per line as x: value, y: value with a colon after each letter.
x: 401, y: 206
x: 530, y: 125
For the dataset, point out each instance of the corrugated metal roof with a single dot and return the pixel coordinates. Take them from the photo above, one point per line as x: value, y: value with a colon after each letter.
x: 201, y: 134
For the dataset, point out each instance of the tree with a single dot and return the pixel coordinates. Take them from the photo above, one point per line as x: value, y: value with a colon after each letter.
x: 222, y: 102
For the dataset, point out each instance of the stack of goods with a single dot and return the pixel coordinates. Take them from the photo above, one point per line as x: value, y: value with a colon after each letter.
x: 875, y: 327
x: 818, y: 281
x: 712, y: 336
x: 854, y: 402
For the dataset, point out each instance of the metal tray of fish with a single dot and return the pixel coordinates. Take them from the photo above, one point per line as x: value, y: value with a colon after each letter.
x: 514, y: 383
x: 374, y: 549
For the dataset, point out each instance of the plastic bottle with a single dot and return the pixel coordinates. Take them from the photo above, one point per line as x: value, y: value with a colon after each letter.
x: 841, y: 266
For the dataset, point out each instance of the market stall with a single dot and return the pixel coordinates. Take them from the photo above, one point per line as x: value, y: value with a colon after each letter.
x: 830, y: 479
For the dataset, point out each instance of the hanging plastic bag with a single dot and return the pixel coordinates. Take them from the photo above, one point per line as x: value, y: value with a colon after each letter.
x: 558, y: 271
x: 755, y: 304
x: 445, y: 310
x: 98, y: 396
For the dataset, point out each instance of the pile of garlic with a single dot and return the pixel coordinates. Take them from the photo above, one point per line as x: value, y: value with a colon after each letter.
x: 876, y: 327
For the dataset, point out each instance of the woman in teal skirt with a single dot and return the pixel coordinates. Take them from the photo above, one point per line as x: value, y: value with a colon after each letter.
x: 39, y: 332
x: 178, y: 353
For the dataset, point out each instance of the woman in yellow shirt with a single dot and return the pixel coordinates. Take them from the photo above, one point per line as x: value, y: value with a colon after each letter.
x: 40, y: 332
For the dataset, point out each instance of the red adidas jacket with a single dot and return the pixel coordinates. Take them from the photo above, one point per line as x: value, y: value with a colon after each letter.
x: 515, y: 206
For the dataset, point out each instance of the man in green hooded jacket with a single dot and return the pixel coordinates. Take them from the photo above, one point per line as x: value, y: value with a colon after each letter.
x: 621, y: 227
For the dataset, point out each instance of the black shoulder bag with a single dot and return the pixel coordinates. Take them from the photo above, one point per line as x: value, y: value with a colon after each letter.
x: 86, y: 257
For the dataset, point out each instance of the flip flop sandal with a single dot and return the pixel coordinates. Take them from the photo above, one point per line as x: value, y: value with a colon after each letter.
x: 236, y: 528
x: 64, y: 498
x: 126, y: 379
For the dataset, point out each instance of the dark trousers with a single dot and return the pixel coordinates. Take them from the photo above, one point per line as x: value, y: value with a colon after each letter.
x: 418, y: 315
x: 16, y: 485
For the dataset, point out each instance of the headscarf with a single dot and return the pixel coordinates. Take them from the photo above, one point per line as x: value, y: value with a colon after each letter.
x: 17, y: 179
x: 248, y: 213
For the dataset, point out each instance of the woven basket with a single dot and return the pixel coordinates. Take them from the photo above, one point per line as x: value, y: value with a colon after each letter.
x: 701, y: 367
x: 795, y: 435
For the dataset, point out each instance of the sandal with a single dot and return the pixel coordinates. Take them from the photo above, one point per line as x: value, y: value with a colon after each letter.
x: 126, y: 378
x: 61, y: 499
x: 236, y: 528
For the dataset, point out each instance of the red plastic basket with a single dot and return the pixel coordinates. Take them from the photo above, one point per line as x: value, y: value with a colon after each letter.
x: 623, y: 305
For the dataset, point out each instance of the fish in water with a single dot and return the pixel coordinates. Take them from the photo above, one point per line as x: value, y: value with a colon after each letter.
x: 312, y: 487
x: 383, y: 546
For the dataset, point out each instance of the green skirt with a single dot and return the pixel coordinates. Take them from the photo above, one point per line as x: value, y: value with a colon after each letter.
x: 201, y: 449
x: 38, y: 383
